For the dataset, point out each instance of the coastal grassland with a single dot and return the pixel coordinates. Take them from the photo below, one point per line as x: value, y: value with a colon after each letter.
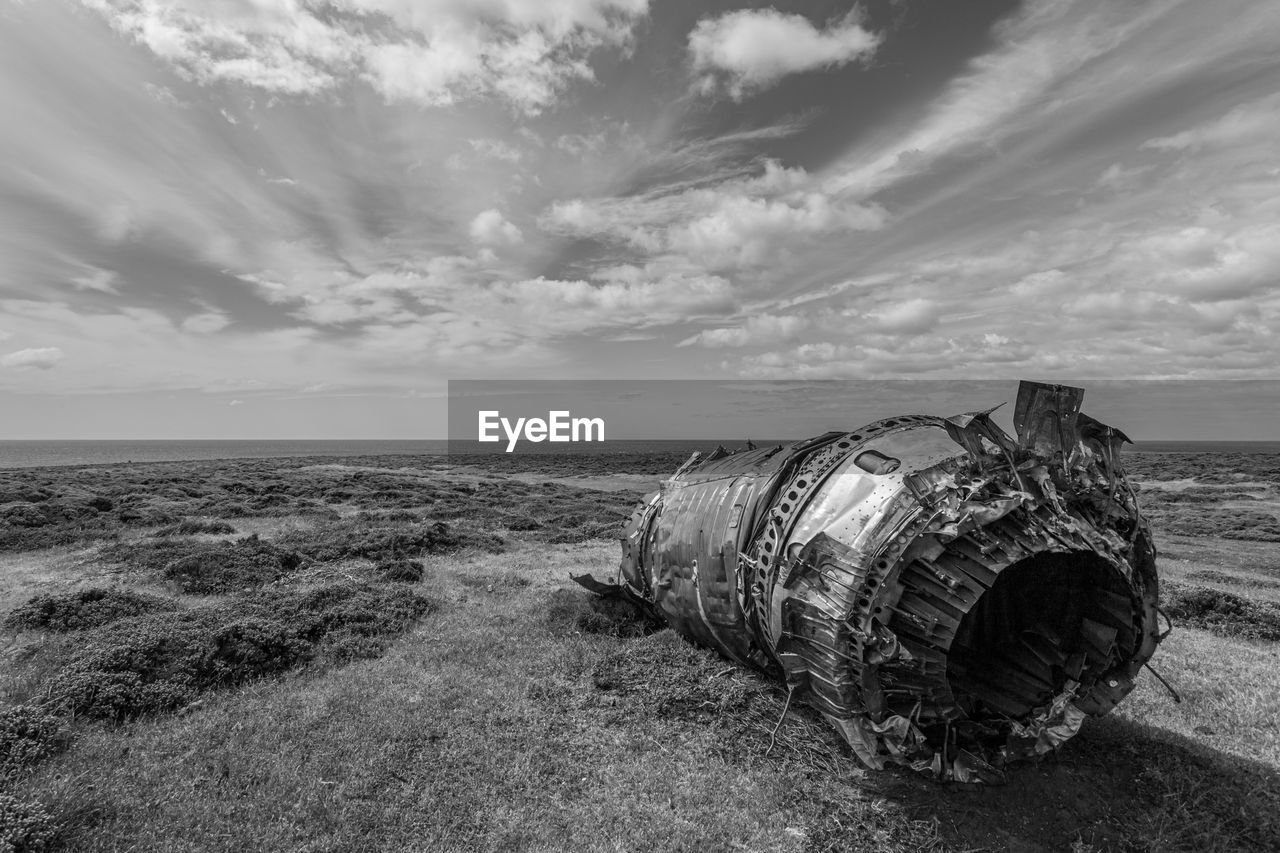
x: 319, y: 707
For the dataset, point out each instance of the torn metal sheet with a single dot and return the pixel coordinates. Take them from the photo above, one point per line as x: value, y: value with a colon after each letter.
x: 951, y: 598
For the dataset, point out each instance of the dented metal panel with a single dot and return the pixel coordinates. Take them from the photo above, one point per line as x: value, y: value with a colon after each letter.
x: 950, y: 597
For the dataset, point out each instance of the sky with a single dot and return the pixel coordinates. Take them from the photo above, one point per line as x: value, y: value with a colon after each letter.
x: 279, y: 218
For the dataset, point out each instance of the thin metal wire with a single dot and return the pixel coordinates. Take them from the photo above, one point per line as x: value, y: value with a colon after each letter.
x: 773, y: 736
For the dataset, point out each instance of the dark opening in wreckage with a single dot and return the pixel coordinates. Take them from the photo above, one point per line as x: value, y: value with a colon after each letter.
x: 951, y: 598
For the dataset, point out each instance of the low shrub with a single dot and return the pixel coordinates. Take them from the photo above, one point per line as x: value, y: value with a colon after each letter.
x: 403, y: 571
x: 1199, y: 520
x: 25, y: 827
x: 28, y: 735
x: 247, y: 563
x: 206, y: 568
x: 1221, y: 612
x: 81, y: 609
x: 380, y: 539
x: 1215, y: 576
x: 16, y: 539
x: 345, y: 621
x: 192, y: 527
x: 23, y: 514
x: 156, y: 663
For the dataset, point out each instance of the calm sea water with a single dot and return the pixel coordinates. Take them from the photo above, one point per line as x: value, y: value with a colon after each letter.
x: 34, y: 454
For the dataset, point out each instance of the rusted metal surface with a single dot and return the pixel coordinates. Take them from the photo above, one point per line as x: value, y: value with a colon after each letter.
x: 950, y: 597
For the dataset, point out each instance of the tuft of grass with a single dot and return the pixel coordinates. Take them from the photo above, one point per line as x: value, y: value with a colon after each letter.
x: 579, y: 610
x: 499, y: 584
x: 82, y: 609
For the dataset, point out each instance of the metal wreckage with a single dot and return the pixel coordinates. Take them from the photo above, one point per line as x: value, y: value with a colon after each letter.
x: 949, y: 597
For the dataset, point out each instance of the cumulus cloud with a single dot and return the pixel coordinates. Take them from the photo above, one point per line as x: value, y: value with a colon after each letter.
x: 734, y: 223
x: 39, y: 358
x: 749, y: 50
x: 433, y: 53
x: 490, y: 228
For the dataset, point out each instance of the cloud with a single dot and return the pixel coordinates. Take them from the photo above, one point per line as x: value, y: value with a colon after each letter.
x: 1117, y: 178
x: 206, y: 323
x: 41, y: 358
x: 581, y: 145
x: 908, y: 317
x: 1000, y: 93
x: 490, y: 228
x: 97, y: 279
x: 750, y: 50
x: 1045, y: 209
x: 737, y: 223
x: 739, y: 230
x: 496, y: 149
x: 762, y: 330
x: 433, y: 53
x: 630, y: 297
x: 1251, y: 121
x: 236, y: 403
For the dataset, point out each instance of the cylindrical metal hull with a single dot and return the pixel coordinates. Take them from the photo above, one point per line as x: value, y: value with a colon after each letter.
x: 949, y: 597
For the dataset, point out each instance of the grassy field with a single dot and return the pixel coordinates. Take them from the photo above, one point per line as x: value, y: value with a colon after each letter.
x: 387, y: 654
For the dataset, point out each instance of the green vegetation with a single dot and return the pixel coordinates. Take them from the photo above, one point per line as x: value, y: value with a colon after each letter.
x: 157, y: 663
x: 81, y: 609
x: 371, y: 537
x: 207, y: 568
x: 192, y: 527
x: 1221, y: 612
x: 25, y: 827
x: 28, y: 735
x: 397, y: 660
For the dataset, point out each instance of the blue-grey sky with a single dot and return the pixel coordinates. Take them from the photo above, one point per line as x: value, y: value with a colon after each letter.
x: 274, y: 218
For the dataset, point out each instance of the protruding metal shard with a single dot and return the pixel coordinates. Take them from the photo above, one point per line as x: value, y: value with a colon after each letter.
x: 949, y: 597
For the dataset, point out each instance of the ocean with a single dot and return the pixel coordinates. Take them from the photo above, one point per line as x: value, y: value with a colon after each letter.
x: 35, y: 454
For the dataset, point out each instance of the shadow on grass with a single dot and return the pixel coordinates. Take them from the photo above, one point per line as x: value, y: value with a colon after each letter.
x: 1118, y: 786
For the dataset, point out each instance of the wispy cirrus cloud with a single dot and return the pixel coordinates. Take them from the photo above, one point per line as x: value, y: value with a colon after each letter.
x: 537, y: 188
x: 39, y: 358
